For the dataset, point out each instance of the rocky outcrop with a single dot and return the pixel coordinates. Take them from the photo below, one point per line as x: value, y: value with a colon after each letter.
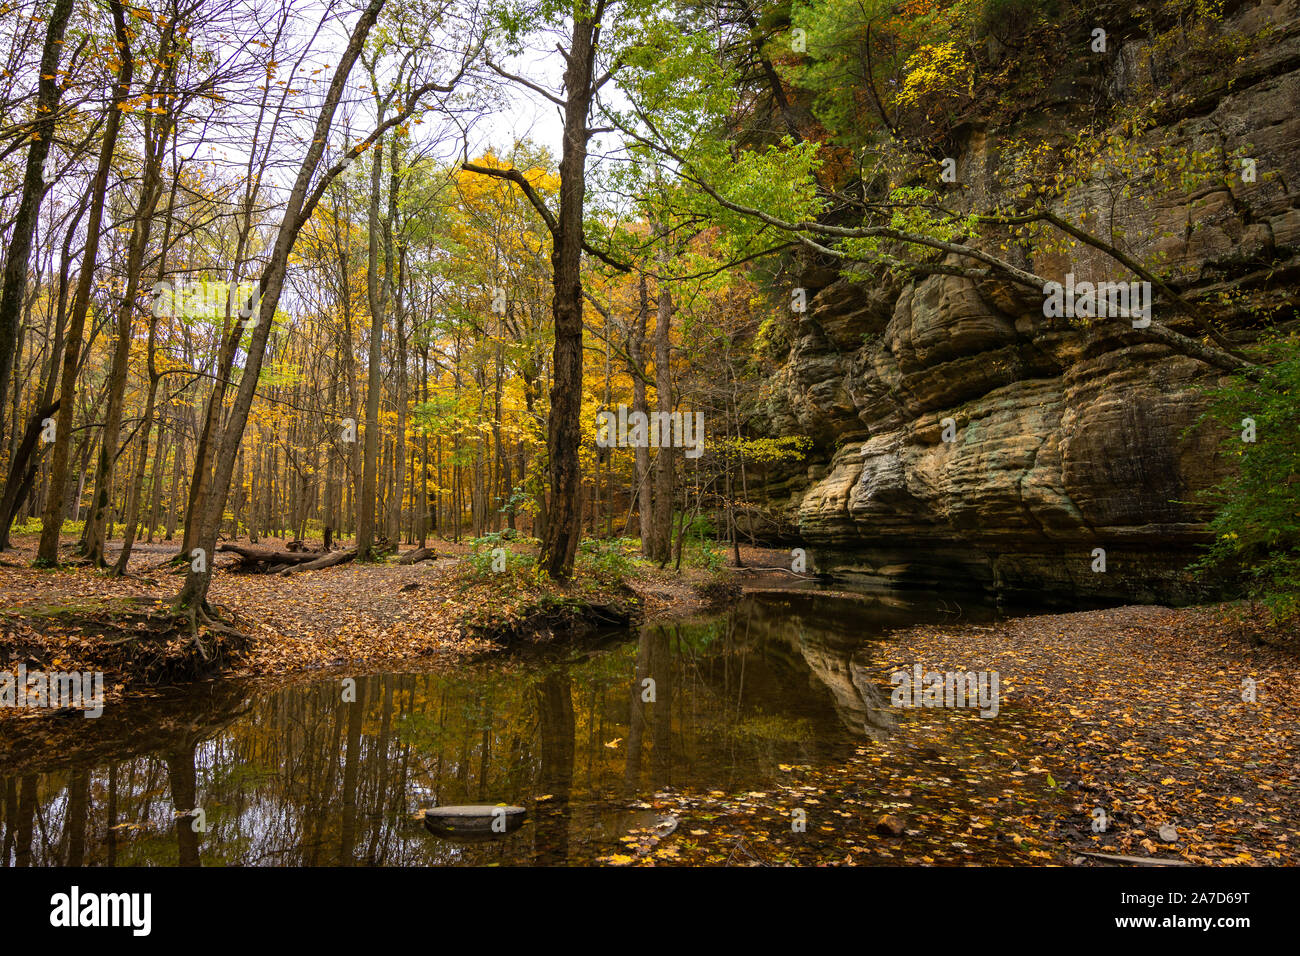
x: 1064, y: 439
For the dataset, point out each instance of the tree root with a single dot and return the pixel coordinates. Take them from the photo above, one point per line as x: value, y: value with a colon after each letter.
x: 192, y: 616
x: 205, y: 616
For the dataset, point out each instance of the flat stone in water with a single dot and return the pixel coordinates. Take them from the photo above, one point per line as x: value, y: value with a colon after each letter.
x: 474, y: 820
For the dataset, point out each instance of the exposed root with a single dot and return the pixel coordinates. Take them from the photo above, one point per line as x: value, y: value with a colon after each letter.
x: 213, y: 623
x: 136, y: 645
x: 191, y: 616
x: 203, y: 618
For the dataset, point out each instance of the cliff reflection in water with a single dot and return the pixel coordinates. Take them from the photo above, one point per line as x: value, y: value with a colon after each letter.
x: 293, y: 775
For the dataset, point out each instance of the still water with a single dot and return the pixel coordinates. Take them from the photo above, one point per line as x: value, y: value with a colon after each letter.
x: 291, y: 774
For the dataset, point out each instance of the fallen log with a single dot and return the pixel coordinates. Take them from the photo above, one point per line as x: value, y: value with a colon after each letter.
x: 250, y: 555
x: 324, y: 561
x: 418, y: 555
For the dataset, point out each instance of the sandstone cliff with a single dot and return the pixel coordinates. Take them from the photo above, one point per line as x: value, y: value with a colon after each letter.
x: 1067, y: 439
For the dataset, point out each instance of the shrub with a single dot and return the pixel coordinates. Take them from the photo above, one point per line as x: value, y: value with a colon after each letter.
x: 1256, y: 522
x: 482, y: 555
x: 608, y: 559
x: 33, y: 526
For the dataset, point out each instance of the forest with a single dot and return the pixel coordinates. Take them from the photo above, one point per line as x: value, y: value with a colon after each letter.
x: 380, y: 335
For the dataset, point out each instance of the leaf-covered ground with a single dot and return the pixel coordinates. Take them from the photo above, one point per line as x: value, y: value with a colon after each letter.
x: 1135, y: 710
x: 360, y: 615
x: 343, y: 615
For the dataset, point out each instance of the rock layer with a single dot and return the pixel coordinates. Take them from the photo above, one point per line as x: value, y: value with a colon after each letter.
x: 1066, y: 439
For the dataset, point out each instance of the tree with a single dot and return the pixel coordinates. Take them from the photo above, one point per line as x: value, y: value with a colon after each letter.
x: 14, y: 289
x: 156, y: 133
x: 53, y: 518
x: 302, y: 200
x: 1256, y: 505
x: 582, y: 83
x: 681, y: 106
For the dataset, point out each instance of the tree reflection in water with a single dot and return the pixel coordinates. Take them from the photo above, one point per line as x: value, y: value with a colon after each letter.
x: 296, y: 775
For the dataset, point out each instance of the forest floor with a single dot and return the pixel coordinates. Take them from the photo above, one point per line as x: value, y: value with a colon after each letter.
x: 1138, y: 711
x: 366, y: 616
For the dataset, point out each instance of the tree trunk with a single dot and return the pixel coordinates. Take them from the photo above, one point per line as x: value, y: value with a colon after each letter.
x: 564, y: 426
x: 155, y: 483
x: 25, y: 461
x: 375, y: 295
x: 48, y: 553
x: 173, y: 497
x: 137, y: 480
x: 150, y: 193
x: 193, y: 594
x: 48, y: 92
x: 662, y: 525
x: 641, y: 453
